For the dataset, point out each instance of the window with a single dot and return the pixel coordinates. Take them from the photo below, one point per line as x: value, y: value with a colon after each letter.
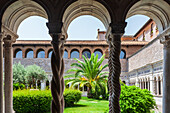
x: 65, y: 54
x: 143, y: 35
x: 41, y: 54
x: 18, y: 53
x: 122, y: 54
x: 50, y: 53
x: 87, y: 53
x: 98, y: 52
x: 29, y: 54
x: 151, y: 30
x: 75, y: 54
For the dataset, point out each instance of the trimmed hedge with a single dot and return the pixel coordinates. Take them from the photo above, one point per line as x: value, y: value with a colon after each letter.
x: 35, y: 101
x: 27, y: 101
x: 71, y: 97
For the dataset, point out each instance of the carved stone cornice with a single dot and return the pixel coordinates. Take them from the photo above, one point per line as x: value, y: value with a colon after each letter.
x: 166, y: 41
x: 165, y: 38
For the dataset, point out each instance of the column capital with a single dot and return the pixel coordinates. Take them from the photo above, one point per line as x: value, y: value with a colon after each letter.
x: 8, y: 41
x: 118, y: 28
x: 55, y: 27
x: 165, y: 38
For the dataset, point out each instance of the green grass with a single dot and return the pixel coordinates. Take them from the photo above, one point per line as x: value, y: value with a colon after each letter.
x: 86, y: 105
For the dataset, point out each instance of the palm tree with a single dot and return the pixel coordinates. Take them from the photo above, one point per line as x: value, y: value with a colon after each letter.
x: 89, y: 73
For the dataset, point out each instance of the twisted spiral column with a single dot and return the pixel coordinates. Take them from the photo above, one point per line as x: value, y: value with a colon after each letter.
x: 57, y: 83
x: 114, y: 73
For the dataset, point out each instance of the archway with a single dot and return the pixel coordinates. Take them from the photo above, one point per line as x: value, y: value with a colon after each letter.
x: 75, y: 54
x: 18, y: 53
x: 158, y: 11
x: 29, y: 53
x: 13, y: 15
x: 40, y: 53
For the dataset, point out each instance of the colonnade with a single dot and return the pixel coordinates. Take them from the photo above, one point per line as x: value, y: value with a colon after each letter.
x: 153, y: 84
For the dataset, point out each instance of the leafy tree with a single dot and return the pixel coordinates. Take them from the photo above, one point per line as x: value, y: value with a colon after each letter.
x: 35, y: 73
x: 136, y: 100
x: 19, y: 73
x: 89, y: 73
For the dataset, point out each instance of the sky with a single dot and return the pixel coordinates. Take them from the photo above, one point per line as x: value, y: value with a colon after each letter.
x: 81, y: 28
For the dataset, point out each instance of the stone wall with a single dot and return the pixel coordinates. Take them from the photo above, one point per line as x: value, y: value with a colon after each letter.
x: 151, y: 53
x: 45, y: 63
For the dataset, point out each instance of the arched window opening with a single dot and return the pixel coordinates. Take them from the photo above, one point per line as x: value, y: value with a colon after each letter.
x: 86, y: 53
x: 122, y: 54
x: 18, y: 53
x: 98, y: 52
x: 50, y: 53
x: 65, y: 54
x: 29, y: 53
x: 86, y: 32
x: 74, y: 54
x: 41, y: 53
x: 35, y: 31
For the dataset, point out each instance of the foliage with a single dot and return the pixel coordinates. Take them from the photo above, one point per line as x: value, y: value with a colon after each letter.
x: 71, y: 97
x: 27, y: 101
x: 89, y: 73
x: 35, y: 73
x: 19, y: 73
x: 136, y: 100
x: 17, y: 86
x: 36, y: 101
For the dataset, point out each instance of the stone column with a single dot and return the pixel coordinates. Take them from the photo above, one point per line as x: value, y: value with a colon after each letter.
x: 114, y: 40
x: 1, y: 74
x: 166, y: 72
x: 57, y: 64
x: 8, y: 74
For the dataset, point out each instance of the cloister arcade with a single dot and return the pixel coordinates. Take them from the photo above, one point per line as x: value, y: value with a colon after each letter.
x: 60, y: 13
x: 41, y: 51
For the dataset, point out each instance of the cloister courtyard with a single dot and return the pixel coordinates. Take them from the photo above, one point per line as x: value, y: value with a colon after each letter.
x: 111, y: 72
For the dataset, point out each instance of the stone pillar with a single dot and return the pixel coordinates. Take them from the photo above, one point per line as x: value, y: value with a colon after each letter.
x: 114, y: 40
x: 166, y: 72
x: 57, y: 64
x: 8, y: 74
x: 1, y: 74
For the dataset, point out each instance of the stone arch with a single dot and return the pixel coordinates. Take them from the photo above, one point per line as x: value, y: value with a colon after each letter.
x: 158, y: 10
x: 76, y: 52
x: 89, y: 7
x: 18, y: 53
x: 18, y: 11
x: 50, y: 52
x: 40, y: 53
x: 86, y: 52
x: 99, y: 52
x: 122, y: 54
x: 65, y: 53
x: 29, y: 53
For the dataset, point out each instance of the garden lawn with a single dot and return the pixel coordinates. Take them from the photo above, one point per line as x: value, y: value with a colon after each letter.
x: 86, y: 105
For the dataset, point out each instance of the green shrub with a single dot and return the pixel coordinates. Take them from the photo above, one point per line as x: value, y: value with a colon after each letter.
x: 71, y: 97
x: 26, y: 101
x: 35, y: 101
x: 17, y: 86
x: 136, y: 100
